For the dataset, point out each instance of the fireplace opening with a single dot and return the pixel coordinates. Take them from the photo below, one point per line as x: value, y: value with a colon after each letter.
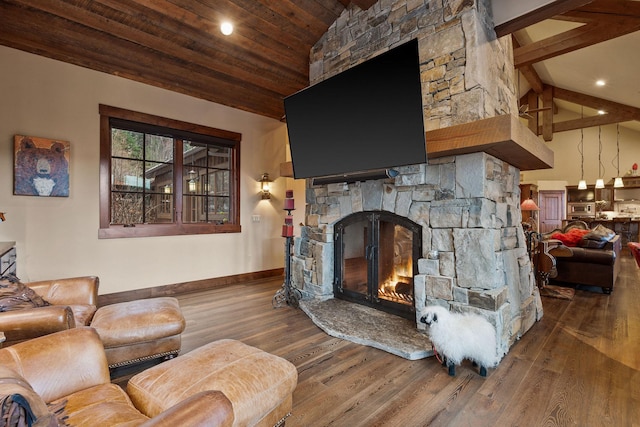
x: 376, y: 259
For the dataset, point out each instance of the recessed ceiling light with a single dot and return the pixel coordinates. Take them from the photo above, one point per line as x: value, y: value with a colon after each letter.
x: 602, y: 112
x: 600, y: 83
x: 226, y: 28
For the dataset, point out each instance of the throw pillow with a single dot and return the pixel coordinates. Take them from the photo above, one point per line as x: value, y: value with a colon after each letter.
x: 15, y: 295
x: 571, y: 237
x: 600, y: 232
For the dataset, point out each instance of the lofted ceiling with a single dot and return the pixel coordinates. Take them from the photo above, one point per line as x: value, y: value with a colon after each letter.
x: 561, y: 52
x: 177, y: 45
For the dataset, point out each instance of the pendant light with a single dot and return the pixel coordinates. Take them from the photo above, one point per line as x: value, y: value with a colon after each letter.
x: 600, y: 181
x: 617, y: 183
x: 582, y: 184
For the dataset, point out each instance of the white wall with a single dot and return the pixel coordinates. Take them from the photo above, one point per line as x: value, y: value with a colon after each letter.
x: 58, y: 237
x: 567, y: 157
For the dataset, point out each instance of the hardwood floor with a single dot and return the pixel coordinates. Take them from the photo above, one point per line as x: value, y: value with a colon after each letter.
x: 578, y: 366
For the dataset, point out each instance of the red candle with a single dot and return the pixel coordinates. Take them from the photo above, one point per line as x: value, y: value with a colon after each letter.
x: 288, y: 204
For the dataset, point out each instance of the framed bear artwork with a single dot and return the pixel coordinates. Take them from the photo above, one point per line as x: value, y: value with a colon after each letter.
x: 41, y: 167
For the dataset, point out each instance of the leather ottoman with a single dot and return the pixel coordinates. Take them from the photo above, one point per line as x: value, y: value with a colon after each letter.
x: 259, y: 384
x: 135, y: 331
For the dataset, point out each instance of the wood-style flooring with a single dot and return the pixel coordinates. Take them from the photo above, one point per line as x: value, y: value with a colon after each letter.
x: 578, y: 366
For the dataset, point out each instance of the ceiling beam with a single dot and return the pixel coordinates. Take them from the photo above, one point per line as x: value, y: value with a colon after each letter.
x: 615, y: 112
x: 609, y: 107
x: 537, y: 15
x: 604, y: 20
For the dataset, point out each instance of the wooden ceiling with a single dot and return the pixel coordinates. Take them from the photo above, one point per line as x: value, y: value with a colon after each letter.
x: 177, y: 44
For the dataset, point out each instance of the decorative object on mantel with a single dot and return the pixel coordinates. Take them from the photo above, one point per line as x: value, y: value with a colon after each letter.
x: 582, y: 184
x: 617, y: 182
x: 288, y: 294
x: 41, y: 167
x: 600, y: 180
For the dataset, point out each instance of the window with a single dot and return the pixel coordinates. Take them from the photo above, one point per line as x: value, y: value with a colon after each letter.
x: 161, y: 177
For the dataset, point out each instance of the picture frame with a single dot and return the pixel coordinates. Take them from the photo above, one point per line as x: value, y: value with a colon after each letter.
x: 41, y: 166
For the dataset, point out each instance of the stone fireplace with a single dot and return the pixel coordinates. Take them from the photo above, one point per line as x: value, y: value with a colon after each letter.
x: 471, y: 255
x: 376, y: 259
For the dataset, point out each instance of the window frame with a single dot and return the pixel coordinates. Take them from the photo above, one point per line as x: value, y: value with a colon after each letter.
x: 176, y: 228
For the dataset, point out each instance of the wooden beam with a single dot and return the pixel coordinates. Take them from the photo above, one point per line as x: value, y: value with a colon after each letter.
x: 528, y: 71
x: 537, y: 15
x: 632, y: 113
x: 587, y: 122
x: 547, y: 115
x: 597, y: 31
x: 532, y: 104
x: 504, y: 137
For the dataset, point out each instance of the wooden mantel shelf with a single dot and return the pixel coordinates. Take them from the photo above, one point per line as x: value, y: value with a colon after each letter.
x: 504, y: 137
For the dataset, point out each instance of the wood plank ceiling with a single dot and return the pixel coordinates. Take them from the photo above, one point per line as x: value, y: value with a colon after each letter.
x: 177, y: 44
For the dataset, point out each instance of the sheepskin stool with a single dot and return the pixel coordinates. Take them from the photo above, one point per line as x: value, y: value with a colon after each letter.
x: 259, y: 385
x: 461, y: 336
x: 140, y: 330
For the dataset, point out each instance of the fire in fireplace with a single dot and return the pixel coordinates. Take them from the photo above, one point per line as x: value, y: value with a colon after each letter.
x: 376, y: 255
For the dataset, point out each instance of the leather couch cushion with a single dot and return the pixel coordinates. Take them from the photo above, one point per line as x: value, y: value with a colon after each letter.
x: 138, y: 321
x: 101, y: 405
x: 256, y: 382
x: 592, y: 256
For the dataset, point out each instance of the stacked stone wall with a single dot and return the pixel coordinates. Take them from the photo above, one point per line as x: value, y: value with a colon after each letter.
x: 474, y: 256
x: 467, y: 205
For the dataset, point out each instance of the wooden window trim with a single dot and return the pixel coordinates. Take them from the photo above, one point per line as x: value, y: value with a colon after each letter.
x: 108, y: 231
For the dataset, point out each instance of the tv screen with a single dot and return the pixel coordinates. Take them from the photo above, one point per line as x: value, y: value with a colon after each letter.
x: 366, y: 118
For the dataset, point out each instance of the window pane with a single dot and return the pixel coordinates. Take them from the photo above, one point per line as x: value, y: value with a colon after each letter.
x: 126, y: 143
x: 126, y: 208
x: 126, y: 175
x: 219, y: 157
x: 159, y: 149
x: 158, y: 176
x: 219, y: 209
x: 158, y: 209
x: 192, y: 209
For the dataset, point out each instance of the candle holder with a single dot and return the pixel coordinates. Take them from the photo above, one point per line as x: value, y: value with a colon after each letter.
x: 288, y: 294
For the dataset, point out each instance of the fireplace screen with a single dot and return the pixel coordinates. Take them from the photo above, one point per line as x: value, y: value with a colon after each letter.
x: 376, y: 257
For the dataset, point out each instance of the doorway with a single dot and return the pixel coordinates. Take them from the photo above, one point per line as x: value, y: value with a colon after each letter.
x: 552, y: 209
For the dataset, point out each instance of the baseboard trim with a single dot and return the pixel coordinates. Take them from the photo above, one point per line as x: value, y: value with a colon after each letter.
x: 187, y: 287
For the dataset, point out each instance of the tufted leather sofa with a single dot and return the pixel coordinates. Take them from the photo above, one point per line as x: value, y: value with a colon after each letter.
x: 131, y: 331
x: 589, y: 266
x: 73, y: 303
x: 69, y: 370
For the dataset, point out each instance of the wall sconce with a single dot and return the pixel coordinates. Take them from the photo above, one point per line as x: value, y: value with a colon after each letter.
x: 167, y: 189
x: 265, y: 187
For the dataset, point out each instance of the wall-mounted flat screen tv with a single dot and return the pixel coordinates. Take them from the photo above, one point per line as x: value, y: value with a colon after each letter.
x: 368, y: 117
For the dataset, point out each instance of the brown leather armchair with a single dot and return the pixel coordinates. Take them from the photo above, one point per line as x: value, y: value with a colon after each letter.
x: 73, y: 303
x: 69, y: 370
